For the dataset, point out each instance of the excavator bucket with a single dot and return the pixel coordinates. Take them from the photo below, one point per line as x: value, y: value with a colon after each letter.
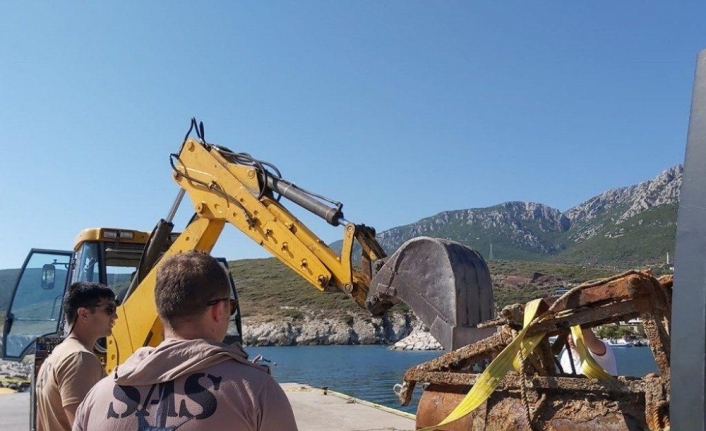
x: 445, y: 283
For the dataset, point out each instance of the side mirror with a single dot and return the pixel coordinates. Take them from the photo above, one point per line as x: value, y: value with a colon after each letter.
x: 48, y: 275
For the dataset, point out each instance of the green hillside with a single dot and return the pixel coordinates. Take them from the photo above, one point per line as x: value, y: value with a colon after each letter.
x: 8, y: 278
x: 268, y: 288
x: 643, y: 240
x: 543, y: 278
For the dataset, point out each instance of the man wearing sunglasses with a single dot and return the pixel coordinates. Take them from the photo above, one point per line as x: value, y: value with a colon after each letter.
x: 72, y: 369
x: 191, y: 381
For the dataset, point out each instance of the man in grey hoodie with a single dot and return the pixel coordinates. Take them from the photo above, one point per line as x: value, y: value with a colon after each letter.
x: 191, y: 381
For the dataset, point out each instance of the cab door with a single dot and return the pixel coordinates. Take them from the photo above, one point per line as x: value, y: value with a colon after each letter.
x: 36, y: 306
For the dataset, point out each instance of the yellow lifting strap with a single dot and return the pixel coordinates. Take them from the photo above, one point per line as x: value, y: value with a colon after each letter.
x: 589, y: 366
x: 509, y: 358
x: 529, y: 344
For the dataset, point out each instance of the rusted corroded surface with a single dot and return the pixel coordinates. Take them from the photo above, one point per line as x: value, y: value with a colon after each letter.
x: 458, y: 360
x: 558, y: 401
x: 658, y: 341
x: 544, y: 352
x: 656, y: 402
x: 628, y: 287
x: 549, y: 410
x: 605, y: 314
x: 476, y: 351
x: 433, y: 408
x: 512, y: 380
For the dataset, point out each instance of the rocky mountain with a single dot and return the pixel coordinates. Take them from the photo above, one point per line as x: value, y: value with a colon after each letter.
x: 622, y: 227
x: 629, y: 226
x: 520, y: 229
x: 618, y: 206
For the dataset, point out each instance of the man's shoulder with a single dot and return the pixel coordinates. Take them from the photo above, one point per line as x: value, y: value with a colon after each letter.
x: 70, y: 345
x: 61, y: 351
x: 71, y: 351
x: 234, y: 370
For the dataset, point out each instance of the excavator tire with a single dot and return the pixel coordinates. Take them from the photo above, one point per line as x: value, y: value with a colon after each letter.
x: 445, y: 283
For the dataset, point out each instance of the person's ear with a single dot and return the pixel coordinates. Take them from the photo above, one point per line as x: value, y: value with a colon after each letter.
x: 216, y: 312
x: 224, y: 310
x: 82, y: 313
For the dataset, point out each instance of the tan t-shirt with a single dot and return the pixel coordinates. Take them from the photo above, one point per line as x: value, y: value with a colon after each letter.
x: 65, y: 378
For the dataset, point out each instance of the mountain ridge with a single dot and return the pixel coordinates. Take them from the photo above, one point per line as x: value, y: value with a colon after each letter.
x: 534, y: 231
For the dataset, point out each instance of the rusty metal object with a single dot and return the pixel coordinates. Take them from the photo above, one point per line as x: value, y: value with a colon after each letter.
x: 435, y: 404
x: 551, y: 410
x: 552, y: 400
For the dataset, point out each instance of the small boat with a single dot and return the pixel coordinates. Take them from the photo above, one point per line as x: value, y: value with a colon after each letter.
x: 640, y: 343
x: 619, y: 343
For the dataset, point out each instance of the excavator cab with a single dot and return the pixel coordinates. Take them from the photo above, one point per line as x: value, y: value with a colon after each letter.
x: 34, y: 321
x: 107, y: 256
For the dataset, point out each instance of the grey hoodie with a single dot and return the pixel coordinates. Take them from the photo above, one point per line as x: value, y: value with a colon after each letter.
x: 186, y: 385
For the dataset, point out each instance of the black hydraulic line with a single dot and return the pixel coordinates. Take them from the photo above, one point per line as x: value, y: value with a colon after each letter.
x: 687, y: 409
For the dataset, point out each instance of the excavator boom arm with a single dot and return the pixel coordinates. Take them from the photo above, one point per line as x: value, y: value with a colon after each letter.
x: 221, y: 192
x: 446, y: 284
x: 243, y: 195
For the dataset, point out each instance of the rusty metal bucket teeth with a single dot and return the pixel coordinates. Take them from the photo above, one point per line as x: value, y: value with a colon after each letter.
x: 445, y: 283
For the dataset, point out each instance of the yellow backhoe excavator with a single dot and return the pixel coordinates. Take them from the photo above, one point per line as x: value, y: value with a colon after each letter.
x: 446, y: 284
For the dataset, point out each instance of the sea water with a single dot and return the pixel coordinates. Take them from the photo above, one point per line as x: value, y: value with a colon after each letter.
x: 370, y: 372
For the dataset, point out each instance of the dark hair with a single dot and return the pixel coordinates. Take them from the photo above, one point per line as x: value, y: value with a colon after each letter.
x: 185, y: 283
x: 84, y: 294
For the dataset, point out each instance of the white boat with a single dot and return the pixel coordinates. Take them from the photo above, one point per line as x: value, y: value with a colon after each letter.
x: 624, y: 343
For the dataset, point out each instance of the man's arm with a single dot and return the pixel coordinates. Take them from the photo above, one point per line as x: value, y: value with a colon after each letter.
x: 275, y: 410
x: 602, y: 353
x: 77, y: 378
x: 70, y: 411
x: 596, y: 346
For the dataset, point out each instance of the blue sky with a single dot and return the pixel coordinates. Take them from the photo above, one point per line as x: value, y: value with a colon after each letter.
x: 398, y: 109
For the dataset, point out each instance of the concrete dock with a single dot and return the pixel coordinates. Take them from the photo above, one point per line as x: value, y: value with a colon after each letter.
x: 313, y: 410
x: 14, y: 411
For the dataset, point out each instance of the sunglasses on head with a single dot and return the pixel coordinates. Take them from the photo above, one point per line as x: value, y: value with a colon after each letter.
x: 233, y: 303
x: 109, y: 308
